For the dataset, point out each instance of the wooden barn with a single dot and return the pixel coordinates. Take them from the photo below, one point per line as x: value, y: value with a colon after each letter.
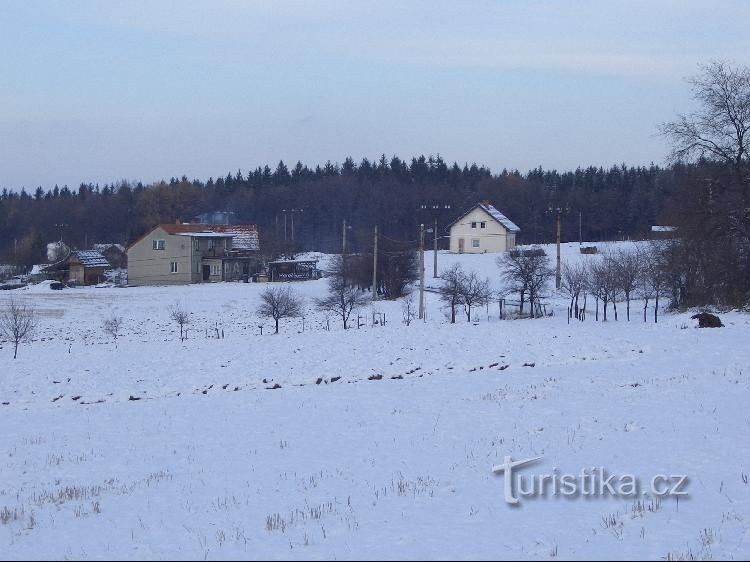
x: 293, y: 270
x: 86, y: 267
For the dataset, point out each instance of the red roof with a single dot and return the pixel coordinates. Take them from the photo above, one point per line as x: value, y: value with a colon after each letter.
x: 193, y: 227
x: 241, y: 231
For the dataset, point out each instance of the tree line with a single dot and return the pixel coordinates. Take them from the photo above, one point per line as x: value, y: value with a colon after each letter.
x: 304, y: 208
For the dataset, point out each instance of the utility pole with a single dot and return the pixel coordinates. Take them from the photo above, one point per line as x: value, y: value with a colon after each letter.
x: 421, y: 271
x: 558, y: 276
x: 559, y: 211
x: 375, y: 267
x: 293, y: 211
x: 284, y: 211
x: 434, y: 252
x: 580, y: 228
x: 343, y: 239
x: 61, y: 226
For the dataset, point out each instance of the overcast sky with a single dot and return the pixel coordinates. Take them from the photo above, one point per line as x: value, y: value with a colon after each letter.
x: 145, y: 90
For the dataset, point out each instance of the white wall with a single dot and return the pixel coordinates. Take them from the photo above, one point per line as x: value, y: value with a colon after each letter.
x: 492, y: 238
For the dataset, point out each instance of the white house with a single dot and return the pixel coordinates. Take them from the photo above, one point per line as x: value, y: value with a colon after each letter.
x: 482, y: 229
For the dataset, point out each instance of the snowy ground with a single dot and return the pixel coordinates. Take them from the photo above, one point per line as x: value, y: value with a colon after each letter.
x: 374, y: 442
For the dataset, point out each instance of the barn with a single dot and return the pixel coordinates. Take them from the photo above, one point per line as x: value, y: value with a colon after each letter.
x: 87, y: 267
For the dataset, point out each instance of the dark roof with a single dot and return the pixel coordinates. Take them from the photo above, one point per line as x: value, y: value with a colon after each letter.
x: 90, y: 258
x: 493, y: 212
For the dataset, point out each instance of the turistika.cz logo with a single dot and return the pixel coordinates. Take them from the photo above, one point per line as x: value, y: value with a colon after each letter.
x: 589, y: 482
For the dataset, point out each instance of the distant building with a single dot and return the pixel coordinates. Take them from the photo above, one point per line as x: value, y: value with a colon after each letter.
x: 116, y: 254
x: 661, y: 232
x: 293, y: 270
x: 216, y: 217
x: 87, y: 267
x: 178, y: 254
x: 482, y: 229
x: 7, y: 271
x: 79, y: 267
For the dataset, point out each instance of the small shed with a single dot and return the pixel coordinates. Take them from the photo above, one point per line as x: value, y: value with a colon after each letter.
x: 87, y: 267
x: 293, y: 270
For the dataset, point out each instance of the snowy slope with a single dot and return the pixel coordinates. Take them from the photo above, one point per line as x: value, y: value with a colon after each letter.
x: 212, y: 462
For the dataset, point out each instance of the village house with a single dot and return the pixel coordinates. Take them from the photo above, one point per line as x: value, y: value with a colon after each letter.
x: 178, y: 254
x: 482, y: 229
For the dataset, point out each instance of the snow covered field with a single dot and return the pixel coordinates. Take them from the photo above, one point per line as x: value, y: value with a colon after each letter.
x: 374, y: 442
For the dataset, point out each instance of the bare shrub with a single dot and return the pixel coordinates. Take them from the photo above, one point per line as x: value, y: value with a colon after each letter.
x: 451, y: 289
x: 474, y: 292
x: 408, y: 310
x: 181, y: 317
x: 278, y: 303
x: 112, y: 326
x: 18, y: 322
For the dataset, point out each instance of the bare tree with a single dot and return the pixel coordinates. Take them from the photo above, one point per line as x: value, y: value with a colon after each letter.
x: 574, y: 284
x: 526, y: 272
x: 474, y: 292
x: 112, y: 326
x: 654, y: 277
x: 451, y: 289
x: 342, y: 298
x: 18, y: 322
x: 708, y: 264
x: 602, y: 283
x: 627, y: 269
x: 181, y: 317
x: 278, y: 303
x: 720, y: 128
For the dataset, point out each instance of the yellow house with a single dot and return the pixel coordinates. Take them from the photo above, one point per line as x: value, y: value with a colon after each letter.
x: 482, y: 229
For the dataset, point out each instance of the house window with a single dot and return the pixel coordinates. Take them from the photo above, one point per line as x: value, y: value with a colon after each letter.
x: 473, y: 225
x: 483, y: 224
x: 173, y: 267
x: 197, y: 245
x: 211, y: 244
x: 475, y: 243
x: 158, y: 244
x: 215, y: 269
